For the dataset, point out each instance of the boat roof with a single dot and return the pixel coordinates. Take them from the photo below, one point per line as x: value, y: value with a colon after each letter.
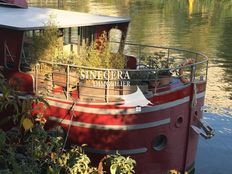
x: 38, y: 18
x: 15, y: 3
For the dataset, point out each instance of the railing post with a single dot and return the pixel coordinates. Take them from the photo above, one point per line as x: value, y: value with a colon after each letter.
x: 193, y: 69
x: 107, y: 86
x: 206, y: 73
x: 156, y: 80
x: 36, y: 78
x: 67, y: 82
x: 192, y: 73
x: 139, y: 56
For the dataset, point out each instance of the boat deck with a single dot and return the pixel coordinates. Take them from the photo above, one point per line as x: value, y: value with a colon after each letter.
x: 101, y: 85
x: 79, y: 92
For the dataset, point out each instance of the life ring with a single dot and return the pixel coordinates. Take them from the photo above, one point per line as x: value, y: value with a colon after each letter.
x: 184, y: 79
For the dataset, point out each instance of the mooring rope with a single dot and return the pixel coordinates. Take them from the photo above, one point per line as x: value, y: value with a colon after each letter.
x: 69, y: 126
x: 194, y: 97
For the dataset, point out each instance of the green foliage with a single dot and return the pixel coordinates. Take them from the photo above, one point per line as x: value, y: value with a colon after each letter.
x: 48, y: 44
x: 2, y: 139
x: 121, y: 164
x: 12, y: 155
x: 98, y: 55
x: 18, y: 108
x: 117, y: 164
x: 40, y: 143
x: 37, y: 151
x: 29, y: 148
x: 75, y: 161
x: 159, y: 60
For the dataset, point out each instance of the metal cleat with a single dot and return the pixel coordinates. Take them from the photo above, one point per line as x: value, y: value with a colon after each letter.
x: 204, y: 129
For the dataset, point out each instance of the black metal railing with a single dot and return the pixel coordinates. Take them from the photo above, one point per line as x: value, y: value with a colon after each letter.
x: 69, y: 81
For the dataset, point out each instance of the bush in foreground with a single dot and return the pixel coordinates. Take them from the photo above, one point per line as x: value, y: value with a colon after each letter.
x: 28, y: 148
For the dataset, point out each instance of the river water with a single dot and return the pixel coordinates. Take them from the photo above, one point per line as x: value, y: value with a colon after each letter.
x: 200, y: 25
x: 214, y: 156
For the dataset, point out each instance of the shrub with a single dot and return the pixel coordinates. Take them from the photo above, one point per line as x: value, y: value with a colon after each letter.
x: 29, y: 148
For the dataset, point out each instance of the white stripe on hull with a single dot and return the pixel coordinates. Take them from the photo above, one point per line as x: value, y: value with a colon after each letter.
x: 200, y: 95
x: 111, y: 127
x: 122, y: 110
x: 119, y: 111
x: 122, y: 152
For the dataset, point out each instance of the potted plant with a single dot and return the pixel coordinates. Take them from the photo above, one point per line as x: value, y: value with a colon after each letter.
x: 153, y: 79
x: 137, y: 80
x: 104, y: 82
x: 163, y: 65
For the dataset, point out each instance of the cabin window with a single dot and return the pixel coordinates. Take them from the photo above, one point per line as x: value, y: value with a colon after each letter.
x: 36, y: 32
x: 87, y: 35
x: 115, y: 36
x: 9, y: 58
x: 82, y: 35
x: 26, y: 58
x: 67, y: 33
x: 70, y: 40
x: 29, y: 34
x: 76, y: 37
x: 73, y: 40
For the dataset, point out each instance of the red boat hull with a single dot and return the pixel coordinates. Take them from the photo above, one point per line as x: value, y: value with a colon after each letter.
x: 158, y: 137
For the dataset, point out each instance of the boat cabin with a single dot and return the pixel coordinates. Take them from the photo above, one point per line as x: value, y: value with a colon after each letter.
x: 76, y: 28
x: 18, y: 27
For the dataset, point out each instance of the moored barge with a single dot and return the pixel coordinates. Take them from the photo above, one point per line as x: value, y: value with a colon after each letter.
x: 137, y: 110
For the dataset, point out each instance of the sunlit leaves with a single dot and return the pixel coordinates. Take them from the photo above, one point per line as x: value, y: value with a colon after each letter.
x: 121, y: 165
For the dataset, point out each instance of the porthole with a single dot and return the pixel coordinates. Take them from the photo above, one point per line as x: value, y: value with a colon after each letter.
x: 159, y: 142
x: 179, y: 121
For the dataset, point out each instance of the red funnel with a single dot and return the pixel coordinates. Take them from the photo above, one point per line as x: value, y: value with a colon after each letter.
x: 15, y: 3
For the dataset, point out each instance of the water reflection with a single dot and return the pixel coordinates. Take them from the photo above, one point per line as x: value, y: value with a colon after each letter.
x: 191, y: 24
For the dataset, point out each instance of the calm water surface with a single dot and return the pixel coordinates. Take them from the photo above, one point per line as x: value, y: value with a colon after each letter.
x: 201, y: 25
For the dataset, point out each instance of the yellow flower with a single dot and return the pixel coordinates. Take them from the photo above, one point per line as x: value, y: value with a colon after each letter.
x: 27, y: 124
